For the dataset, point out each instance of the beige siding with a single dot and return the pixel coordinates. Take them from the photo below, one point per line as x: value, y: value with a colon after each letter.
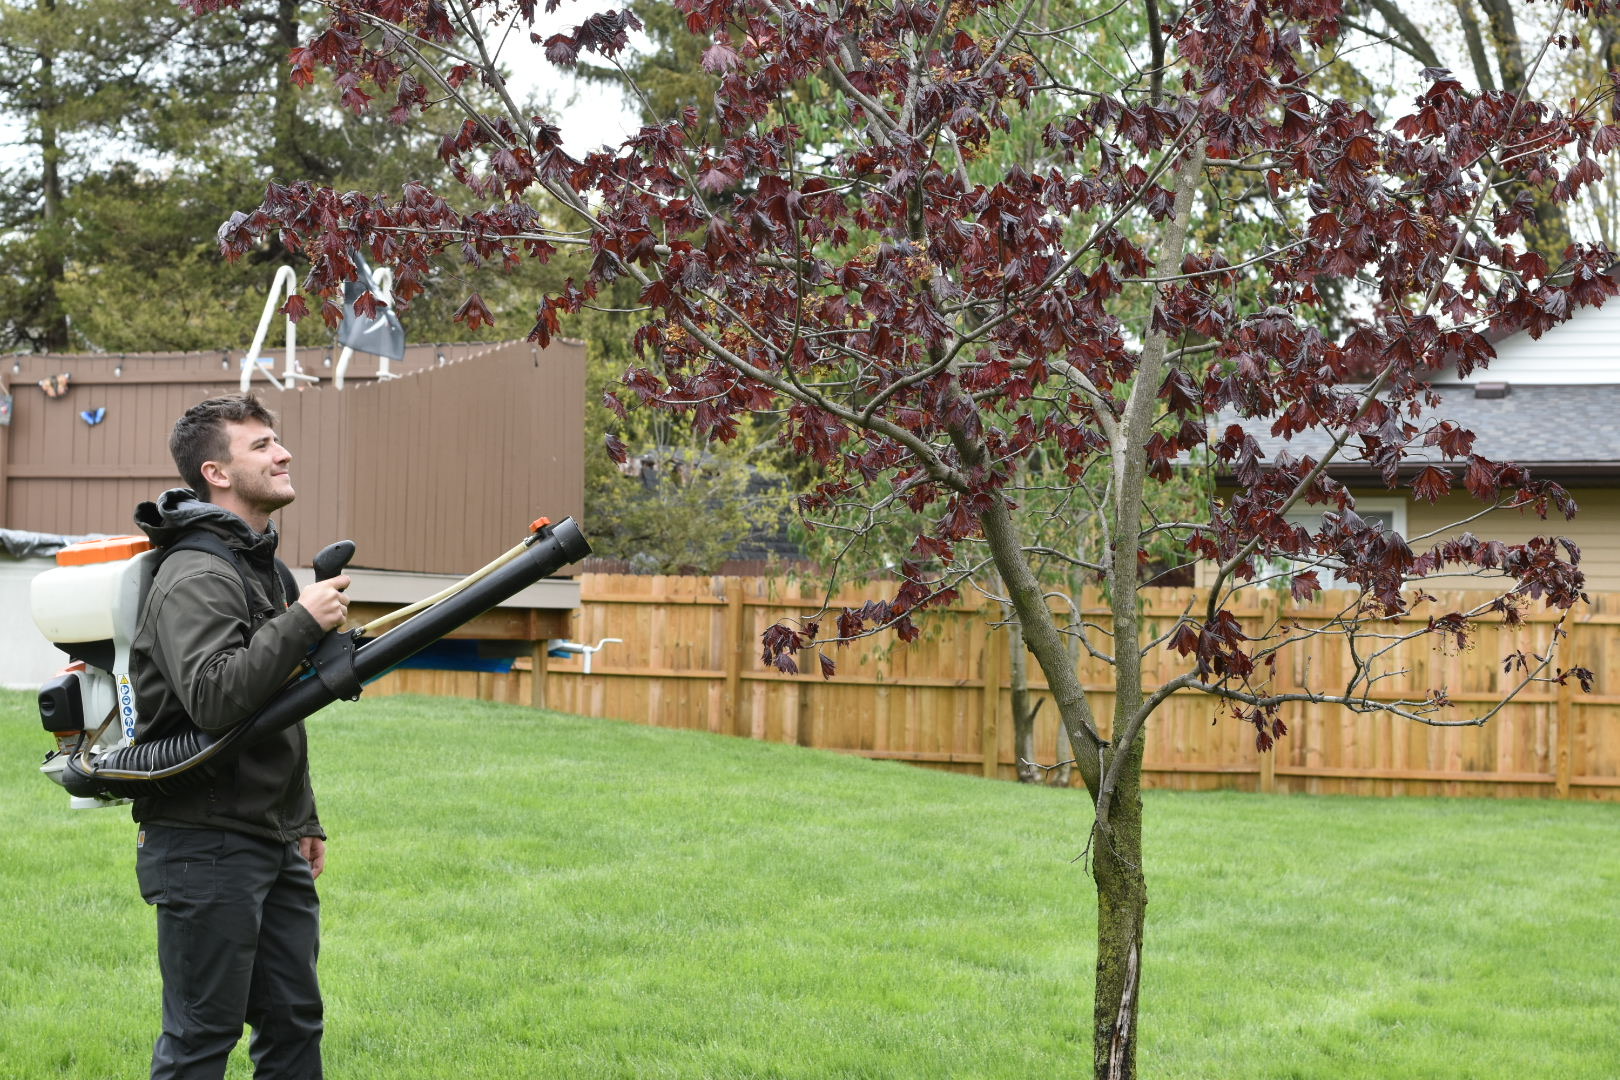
x: 1595, y: 530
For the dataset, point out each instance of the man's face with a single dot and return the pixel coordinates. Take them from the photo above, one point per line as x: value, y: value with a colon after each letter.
x: 257, y: 467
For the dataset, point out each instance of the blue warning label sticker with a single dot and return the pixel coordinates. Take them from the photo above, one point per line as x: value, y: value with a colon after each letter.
x: 126, y: 705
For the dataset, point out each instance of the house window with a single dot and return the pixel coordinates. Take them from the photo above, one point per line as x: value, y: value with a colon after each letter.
x: 1385, y: 511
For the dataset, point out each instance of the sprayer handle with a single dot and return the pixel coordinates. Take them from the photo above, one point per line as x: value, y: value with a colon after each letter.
x: 331, y: 559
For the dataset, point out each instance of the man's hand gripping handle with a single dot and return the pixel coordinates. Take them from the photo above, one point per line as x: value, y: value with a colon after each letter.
x: 333, y: 658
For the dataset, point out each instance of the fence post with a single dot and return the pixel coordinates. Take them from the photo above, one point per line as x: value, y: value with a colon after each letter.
x: 734, y: 654
x: 538, y: 664
x: 5, y: 458
x: 990, y: 709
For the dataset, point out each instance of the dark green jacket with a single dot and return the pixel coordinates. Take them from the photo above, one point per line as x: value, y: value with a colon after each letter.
x: 208, y: 655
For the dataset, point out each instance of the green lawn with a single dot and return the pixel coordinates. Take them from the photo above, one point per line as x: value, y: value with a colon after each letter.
x: 516, y: 894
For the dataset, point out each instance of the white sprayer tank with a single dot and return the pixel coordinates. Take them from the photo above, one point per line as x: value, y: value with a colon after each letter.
x: 93, y: 593
x: 89, y: 600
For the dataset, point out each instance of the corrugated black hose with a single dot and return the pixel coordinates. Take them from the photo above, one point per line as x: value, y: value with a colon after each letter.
x: 172, y: 764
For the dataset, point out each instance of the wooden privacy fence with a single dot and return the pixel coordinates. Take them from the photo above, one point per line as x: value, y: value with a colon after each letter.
x: 690, y: 658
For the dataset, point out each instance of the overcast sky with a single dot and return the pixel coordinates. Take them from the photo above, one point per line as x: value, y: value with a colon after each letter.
x: 588, y: 115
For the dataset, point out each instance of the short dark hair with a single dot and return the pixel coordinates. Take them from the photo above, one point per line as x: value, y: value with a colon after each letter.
x: 200, y: 434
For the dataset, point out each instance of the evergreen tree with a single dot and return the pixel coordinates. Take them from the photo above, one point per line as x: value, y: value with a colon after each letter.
x: 71, y: 71
x: 143, y: 128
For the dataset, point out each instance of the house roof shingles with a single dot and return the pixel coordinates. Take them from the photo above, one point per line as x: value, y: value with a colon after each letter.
x: 1571, y: 427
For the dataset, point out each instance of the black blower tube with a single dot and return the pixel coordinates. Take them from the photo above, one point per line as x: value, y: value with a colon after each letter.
x: 166, y: 766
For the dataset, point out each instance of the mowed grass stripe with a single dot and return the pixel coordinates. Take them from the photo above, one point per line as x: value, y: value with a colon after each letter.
x: 522, y: 894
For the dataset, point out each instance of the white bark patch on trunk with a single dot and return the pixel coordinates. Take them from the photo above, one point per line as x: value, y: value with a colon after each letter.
x: 1127, y: 1009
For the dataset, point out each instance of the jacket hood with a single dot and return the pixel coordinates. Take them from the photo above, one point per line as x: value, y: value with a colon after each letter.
x: 178, y: 511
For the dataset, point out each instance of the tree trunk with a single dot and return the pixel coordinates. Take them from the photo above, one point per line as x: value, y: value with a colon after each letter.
x: 54, y: 331
x: 1063, y: 775
x: 1121, y: 908
x: 283, y: 103
x: 294, y: 140
x: 1023, y: 712
x: 1117, y: 835
x: 1063, y: 748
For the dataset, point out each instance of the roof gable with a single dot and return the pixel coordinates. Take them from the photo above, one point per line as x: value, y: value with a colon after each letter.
x: 1581, y: 351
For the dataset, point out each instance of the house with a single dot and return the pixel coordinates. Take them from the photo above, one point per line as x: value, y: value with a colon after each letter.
x: 1551, y: 405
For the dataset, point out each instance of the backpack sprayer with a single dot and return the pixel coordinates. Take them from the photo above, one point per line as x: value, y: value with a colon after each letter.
x: 89, y: 606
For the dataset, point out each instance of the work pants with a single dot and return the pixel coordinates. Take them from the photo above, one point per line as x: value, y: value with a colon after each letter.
x: 238, y: 932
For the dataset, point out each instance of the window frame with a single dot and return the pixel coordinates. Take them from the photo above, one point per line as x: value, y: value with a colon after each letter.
x: 1394, y: 506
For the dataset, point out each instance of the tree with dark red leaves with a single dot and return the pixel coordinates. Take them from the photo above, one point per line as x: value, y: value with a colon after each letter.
x: 998, y: 356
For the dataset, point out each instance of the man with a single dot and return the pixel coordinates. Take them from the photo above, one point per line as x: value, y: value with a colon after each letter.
x: 231, y: 865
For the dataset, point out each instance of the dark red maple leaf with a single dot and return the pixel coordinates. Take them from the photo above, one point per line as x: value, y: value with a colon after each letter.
x: 720, y: 58
x: 1303, y: 586
x: 1184, y: 640
x: 1432, y: 484
x: 562, y: 50
x: 295, y: 308
x: 368, y: 304
x: 474, y: 313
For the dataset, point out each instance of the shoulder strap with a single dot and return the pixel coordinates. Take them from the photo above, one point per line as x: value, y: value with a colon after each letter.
x: 289, y: 584
x: 202, y: 540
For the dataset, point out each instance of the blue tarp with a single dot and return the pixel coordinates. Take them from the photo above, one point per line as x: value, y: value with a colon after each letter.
x: 459, y: 655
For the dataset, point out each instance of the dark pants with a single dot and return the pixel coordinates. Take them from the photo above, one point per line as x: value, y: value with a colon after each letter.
x: 238, y: 931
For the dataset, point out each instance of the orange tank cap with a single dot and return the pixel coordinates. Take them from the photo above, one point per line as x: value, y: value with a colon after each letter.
x: 111, y: 549
x: 538, y: 524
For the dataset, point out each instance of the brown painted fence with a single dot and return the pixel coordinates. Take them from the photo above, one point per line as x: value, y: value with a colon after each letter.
x: 421, y: 472
x: 690, y: 659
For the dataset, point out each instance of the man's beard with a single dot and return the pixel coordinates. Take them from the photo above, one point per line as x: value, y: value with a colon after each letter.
x: 261, y: 494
